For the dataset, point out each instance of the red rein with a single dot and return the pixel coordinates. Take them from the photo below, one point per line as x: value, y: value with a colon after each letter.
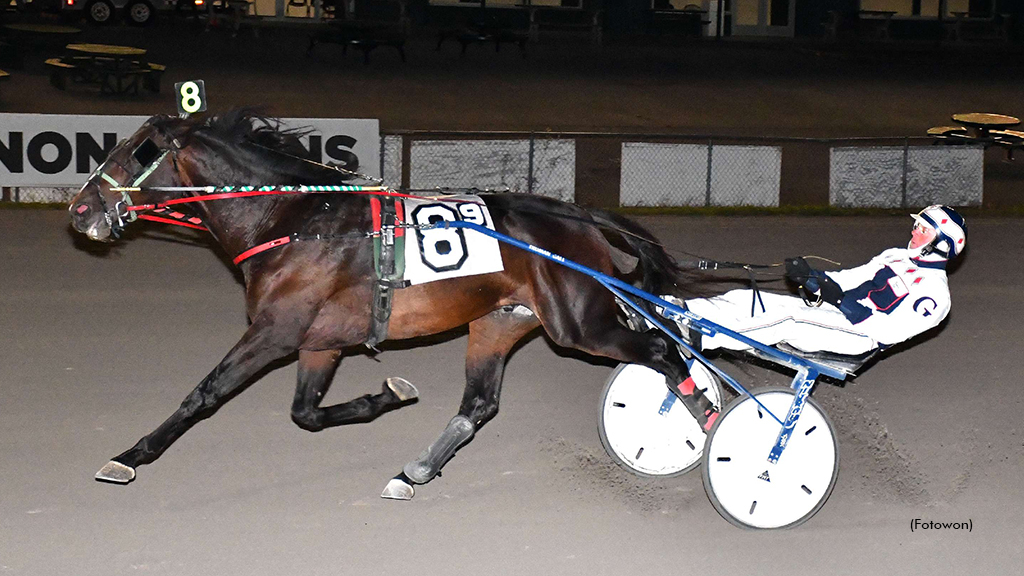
x: 180, y: 219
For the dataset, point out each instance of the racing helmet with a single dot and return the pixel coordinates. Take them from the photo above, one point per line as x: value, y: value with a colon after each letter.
x: 950, y: 234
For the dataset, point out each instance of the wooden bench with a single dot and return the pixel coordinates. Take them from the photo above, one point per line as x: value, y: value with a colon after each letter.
x: 59, y: 72
x: 123, y: 81
x: 565, y: 19
x: 489, y: 28
x: 967, y: 27
x: 688, y: 21
x: 364, y: 26
x: 362, y: 36
x: 152, y: 80
x: 82, y: 69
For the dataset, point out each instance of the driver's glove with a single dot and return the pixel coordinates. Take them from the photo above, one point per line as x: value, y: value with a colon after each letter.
x: 815, y: 281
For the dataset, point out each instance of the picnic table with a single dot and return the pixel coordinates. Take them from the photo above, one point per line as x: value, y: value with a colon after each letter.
x: 983, y: 122
x: 981, y: 128
x: 26, y: 39
x: 362, y: 36
x: 484, y: 32
x: 875, y: 23
x: 978, y: 26
x: 115, y: 69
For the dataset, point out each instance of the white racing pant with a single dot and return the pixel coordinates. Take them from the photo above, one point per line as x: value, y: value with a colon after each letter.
x: 784, y: 319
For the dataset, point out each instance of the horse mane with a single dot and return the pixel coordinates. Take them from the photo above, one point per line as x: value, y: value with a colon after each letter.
x: 248, y: 125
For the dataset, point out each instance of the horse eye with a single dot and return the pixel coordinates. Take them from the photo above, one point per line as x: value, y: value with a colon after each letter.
x: 146, y: 153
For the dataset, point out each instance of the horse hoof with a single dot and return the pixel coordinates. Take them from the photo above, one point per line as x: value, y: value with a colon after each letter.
x: 116, y: 472
x: 398, y: 489
x: 402, y: 388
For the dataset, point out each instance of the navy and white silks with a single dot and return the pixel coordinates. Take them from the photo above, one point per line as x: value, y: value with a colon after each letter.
x: 886, y: 301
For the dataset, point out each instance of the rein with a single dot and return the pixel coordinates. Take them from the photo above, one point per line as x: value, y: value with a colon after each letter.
x: 230, y: 192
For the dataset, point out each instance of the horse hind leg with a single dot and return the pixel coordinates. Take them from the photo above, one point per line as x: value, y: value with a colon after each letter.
x: 598, y: 331
x: 490, y: 340
x: 316, y: 369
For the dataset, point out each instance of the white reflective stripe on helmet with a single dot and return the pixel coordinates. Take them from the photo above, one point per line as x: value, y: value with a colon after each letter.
x: 950, y: 231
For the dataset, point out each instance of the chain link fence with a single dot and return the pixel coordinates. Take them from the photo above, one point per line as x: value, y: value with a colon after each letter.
x: 667, y: 174
x: 666, y: 170
x: 523, y: 163
x: 901, y: 176
x: 41, y: 194
x: 673, y: 170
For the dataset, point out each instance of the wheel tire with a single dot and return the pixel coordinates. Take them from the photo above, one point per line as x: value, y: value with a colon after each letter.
x: 635, y: 432
x: 140, y: 13
x: 787, y: 493
x: 99, y: 12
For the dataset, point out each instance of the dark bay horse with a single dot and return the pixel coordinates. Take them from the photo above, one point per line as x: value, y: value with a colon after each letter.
x: 314, y: 297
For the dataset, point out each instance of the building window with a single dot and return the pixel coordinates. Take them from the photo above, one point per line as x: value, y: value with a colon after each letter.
x: 976, y: 8
x: 930, y: 8
x: 673, y: 4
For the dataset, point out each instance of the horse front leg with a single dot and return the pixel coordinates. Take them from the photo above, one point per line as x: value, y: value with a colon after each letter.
x: 260, y: 345
x: 490, y: 340
x: 316, y: 369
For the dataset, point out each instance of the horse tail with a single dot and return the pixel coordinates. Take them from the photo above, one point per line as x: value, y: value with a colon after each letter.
x: 658, y: 272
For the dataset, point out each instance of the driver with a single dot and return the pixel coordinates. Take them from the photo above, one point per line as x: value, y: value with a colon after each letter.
x: 897, y: 295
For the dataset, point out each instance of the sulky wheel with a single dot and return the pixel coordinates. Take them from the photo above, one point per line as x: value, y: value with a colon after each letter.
x: 749, y: 491
x: 645, y: 428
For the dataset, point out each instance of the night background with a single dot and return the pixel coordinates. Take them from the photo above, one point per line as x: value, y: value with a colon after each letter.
x: 743, y: 130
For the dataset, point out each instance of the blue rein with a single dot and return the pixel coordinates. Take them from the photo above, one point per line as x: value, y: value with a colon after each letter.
x: 807, y: 371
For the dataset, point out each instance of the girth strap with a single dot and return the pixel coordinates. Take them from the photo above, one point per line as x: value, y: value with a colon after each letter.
x: 388, y: 262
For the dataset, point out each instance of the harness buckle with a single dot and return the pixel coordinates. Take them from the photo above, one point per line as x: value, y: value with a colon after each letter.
x: 126, y: 201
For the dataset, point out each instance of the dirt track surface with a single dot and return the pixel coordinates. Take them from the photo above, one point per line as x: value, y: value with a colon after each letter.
x: 99, y: 349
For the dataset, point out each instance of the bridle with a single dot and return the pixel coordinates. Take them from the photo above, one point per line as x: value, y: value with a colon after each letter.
x: 143, y: 161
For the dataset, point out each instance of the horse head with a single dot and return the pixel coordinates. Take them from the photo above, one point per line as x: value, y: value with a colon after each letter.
x: 149, y: 156
x: 240, y: 147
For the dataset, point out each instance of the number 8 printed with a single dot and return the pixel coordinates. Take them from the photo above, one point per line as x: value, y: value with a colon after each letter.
x: 441, y: 249
x: 190, y: 99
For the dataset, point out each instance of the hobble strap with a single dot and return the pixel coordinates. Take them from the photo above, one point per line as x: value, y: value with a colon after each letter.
x: 756, y: 296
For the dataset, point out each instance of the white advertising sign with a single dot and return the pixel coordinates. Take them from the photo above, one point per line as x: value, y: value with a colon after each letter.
x: 61, y: 150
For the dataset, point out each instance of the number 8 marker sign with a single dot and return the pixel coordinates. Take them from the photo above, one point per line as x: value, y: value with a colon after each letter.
x: 191, y: 97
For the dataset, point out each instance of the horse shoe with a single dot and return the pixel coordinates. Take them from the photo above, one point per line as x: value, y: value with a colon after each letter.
x: 116, y: 473
x: 402, y: 388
